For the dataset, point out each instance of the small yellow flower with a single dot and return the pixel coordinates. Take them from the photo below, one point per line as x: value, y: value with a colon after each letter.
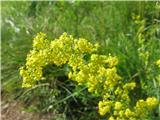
x: 118, y: 105
x: 129, y: 113
x: 70, y: 75
x: 158, y: 63
x: 121, y: 113
x: 130, y: 85
x: 112, y: 61
x: 152, y: 102
x: 104, y: 107
x: 111, y: 118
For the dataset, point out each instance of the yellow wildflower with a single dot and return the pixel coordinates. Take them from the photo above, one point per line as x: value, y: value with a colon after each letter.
x: 111, y: 118
x: 118, y: 105
x: 104, y: 107
x: 129, y: 113
x: 158, y: 62
x: 152, y: 102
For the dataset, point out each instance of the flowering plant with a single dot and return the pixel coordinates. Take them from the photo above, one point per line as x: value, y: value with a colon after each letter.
x: 98, y: 73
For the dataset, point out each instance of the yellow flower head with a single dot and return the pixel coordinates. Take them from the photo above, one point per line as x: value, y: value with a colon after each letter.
x: 129, y: 113
x: 104, y: 107
x: 111, y: 118
x: 152, y: 102
x: 158, y: 62
x: 118, y: 106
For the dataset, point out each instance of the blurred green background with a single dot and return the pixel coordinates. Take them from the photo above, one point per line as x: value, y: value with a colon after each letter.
x: 115, y: 25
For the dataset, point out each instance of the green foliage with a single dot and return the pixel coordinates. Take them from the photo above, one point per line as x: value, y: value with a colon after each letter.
x: 109, y: 23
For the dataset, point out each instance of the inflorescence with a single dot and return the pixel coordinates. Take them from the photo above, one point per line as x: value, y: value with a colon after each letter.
x: 98, y: 74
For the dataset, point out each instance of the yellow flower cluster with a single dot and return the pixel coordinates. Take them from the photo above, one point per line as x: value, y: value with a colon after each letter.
x: 118, y: 95
x: 59, y: 52
x: 105, y: 107
x: 117, y: 92
x: 138, y: 112
x: 94, y: 73
x: 151, y: 102
x: 35, y: 61
x: 158, y: 63
x: 98, y: 73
